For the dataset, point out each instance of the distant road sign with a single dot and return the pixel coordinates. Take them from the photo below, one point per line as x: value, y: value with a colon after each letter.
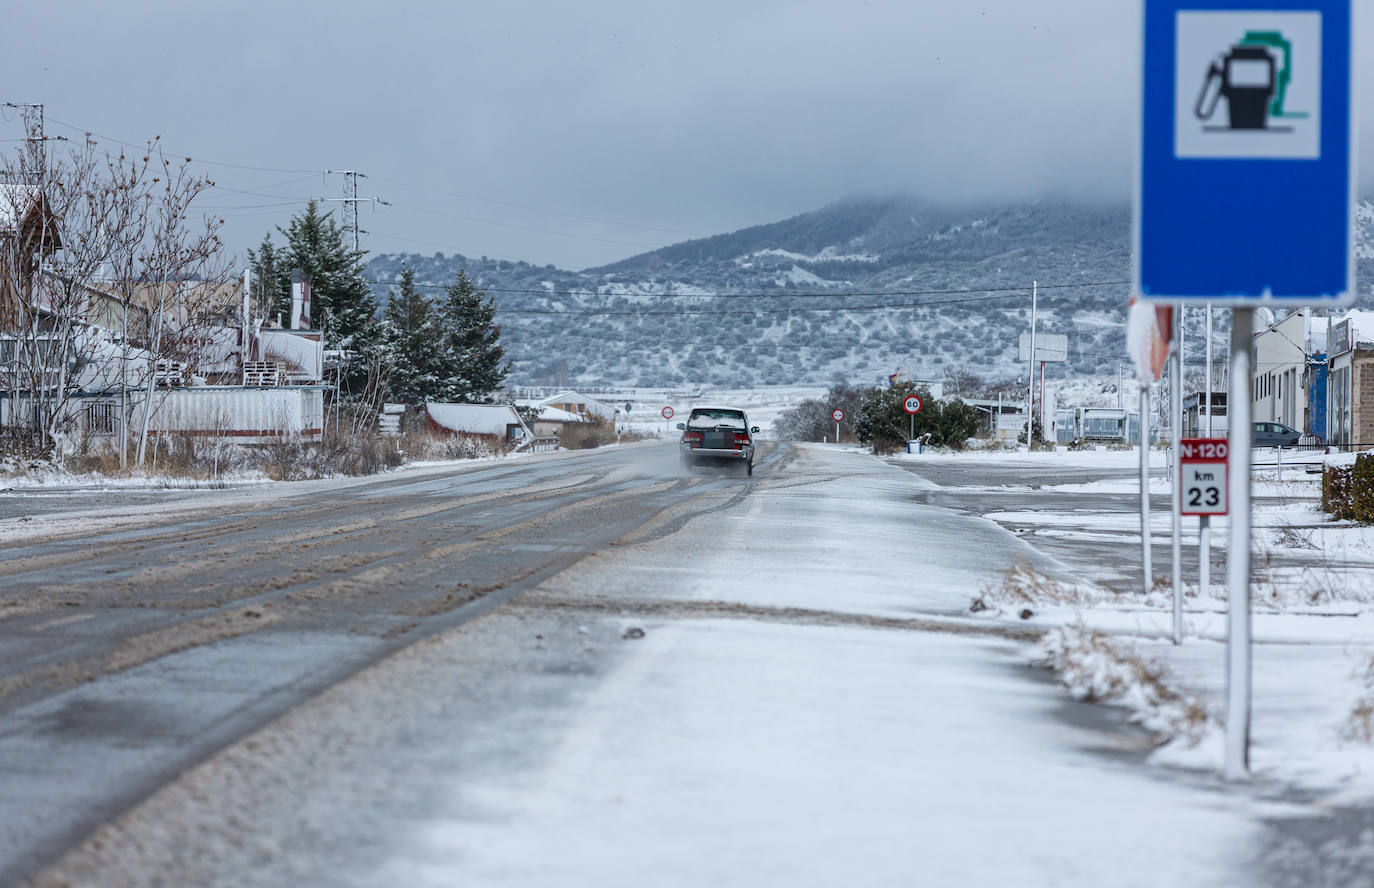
x: 837, y: 414
x: 1202, y: 468
x: 1049, y: 347
x: 667, y: 412
x: 912, y: 404
x: 1244, y: 186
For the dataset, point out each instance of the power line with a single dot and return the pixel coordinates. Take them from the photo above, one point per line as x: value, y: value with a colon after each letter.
x: 452, y: 215
x: 1022, y: 291
x: 501, y: 203
x: 308, y: 173
x: 145, y: 145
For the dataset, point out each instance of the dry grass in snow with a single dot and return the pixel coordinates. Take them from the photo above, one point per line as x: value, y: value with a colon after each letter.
x: 1022, y: 586
x: 1359, y: 726
x: 1096, y: 667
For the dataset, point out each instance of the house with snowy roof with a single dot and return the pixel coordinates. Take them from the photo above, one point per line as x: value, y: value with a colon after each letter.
x: 589, y: 409
x: 497, y: 423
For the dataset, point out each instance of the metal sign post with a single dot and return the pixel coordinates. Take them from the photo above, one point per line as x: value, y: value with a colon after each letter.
x: 1202, y: 482
x: 838, y: 415
x: 1146, y: 553
x: 912, y: 405
x: 667, y: 414
x: 1176, y: 427
x: 1042, y: 348
x: 1238, y: 551
x: 1244, y: 197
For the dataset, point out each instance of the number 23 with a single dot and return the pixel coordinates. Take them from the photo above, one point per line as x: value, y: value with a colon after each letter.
x: 1204, y: 496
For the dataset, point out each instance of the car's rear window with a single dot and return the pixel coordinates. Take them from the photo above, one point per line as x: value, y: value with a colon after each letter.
x: 733, y: 418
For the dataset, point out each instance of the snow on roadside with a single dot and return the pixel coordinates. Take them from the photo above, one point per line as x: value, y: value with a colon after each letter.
x: 1313, y: 623
x: 1098, y: 667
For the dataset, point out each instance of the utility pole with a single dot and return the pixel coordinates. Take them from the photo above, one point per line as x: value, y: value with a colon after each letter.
x: 1030, y: 376
x: 1209, y: 371
x: 350, y: 200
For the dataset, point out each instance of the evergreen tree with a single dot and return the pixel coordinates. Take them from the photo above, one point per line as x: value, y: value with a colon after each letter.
x: 266, y: 264
x: 414, y: 334
x: 340, y: 295
x: 471, y: 348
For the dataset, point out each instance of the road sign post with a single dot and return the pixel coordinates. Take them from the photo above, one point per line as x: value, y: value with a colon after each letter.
x: 1238, y: 554
x: 667, y: 414
x: 1247, y: 206
x: 912, y: 405
x: 1244, y: 196
x: 838, y: 415
x: 1204, y: 492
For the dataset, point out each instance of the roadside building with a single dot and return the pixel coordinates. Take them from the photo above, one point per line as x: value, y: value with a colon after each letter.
x: 999, y: 418
x: 495, y: 423
x: 1195, y: 415
x: 552, y: 422
x: 1350, y: 380
x: 1283, y: 352
x: 588, y: 409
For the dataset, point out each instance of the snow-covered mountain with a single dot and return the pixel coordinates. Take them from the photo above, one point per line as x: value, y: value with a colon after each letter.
x: 953, y: 284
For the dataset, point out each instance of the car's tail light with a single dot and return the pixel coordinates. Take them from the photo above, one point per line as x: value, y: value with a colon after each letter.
x: 741, y: 439
x: 693, y: 438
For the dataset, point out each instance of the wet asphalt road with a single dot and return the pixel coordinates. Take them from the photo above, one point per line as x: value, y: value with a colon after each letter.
x: 143, y: 633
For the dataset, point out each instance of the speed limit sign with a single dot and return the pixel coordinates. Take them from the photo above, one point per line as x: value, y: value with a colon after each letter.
x: 912, y: 405
x: 837, y: 414
x: 1202, y: 468
x: 667, y: 412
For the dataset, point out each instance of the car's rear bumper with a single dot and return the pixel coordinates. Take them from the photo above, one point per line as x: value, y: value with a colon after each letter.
x: 712, y: 453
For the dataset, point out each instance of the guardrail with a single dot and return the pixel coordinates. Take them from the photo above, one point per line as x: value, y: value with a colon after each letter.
x: 537, y: 445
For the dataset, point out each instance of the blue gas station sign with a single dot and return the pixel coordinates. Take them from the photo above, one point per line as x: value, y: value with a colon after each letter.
x: 1245, y: 186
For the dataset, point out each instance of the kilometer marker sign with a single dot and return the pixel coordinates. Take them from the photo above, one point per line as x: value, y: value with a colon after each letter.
x: 1202, y: 468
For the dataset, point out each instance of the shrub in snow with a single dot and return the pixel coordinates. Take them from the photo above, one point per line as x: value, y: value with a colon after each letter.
x: 1348, y: 490
x: 1022, y: 585
x: 1099, y: 668
x: 1359, y: 726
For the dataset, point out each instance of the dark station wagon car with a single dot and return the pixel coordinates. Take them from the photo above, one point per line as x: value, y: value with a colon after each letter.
x: 719, y: 435
x: 1274, y: 434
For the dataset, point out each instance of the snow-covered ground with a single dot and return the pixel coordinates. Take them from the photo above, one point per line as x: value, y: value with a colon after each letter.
x: 777, y: 724
x: 781, y: 684
x: 1313, y: 600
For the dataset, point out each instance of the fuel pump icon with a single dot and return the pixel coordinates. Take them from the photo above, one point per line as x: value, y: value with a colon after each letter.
x: 1247, y: 78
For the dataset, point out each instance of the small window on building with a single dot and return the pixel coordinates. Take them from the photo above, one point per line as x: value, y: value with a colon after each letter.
x: 100, y: 418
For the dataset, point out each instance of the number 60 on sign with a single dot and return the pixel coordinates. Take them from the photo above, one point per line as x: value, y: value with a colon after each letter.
x: 1202, y: 472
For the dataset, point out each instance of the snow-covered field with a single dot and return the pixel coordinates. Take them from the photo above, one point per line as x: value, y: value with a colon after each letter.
x: 761, y: 403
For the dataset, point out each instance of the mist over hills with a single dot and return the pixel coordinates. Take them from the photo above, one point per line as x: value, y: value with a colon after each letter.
x: 899, y: 281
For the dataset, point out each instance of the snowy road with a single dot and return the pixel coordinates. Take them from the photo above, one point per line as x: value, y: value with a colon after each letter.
x: 586, y: 670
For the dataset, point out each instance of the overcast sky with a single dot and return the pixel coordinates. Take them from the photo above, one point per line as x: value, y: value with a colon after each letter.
x: 580, y: 133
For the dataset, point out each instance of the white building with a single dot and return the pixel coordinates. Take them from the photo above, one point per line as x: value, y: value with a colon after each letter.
x: 1282, y: 352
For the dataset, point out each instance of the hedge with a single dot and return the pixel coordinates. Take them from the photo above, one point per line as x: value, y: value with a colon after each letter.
x: 1348, y: 491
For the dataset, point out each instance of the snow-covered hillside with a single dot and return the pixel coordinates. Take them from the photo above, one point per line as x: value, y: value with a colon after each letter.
x: 853, y: 290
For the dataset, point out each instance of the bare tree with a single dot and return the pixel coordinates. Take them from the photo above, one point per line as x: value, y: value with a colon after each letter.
x: 87, y: 234
x: 183, y: 261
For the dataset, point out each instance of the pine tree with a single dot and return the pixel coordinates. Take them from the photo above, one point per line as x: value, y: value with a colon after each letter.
x: 266, y: 264
x: 414, y: 334
x: 341, y: 297
x: 472, y: 352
